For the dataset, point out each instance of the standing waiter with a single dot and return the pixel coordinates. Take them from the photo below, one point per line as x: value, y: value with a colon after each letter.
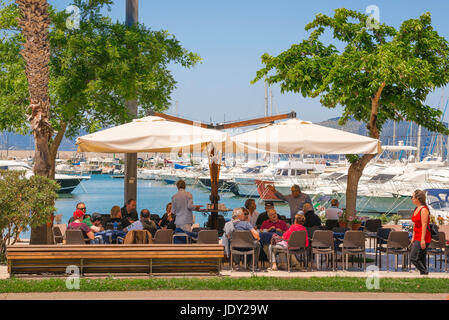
x: 296, y: 200
x: 182, y: 207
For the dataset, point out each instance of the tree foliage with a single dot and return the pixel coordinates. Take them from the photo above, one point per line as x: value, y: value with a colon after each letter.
x: 24, y: 203
x: 93, y: 70
x: 380, y: 73
x: 410, y: 62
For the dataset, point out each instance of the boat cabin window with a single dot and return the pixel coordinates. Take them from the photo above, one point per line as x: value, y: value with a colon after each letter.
x: 382, y: 178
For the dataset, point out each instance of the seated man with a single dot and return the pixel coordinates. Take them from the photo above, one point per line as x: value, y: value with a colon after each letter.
x: 145, y: 223
x: 243, y: 224
x: 312, y: 220
x: 264, y: 215
x: 229, y: 228
x: 77, y: 223
x: 97, y: 222
x: 273, y: 224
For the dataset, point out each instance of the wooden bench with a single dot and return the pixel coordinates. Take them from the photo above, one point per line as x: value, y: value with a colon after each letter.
x: 114, y: 259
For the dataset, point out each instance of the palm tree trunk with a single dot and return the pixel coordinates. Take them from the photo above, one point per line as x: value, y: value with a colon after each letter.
x: 34, y: 23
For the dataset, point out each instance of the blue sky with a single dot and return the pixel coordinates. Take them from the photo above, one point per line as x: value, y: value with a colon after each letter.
x: 232, y: 35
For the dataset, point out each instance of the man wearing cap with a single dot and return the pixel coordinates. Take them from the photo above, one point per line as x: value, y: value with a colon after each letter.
x: 295, y: 200
x: 77, y: 223
x: 145, y: 223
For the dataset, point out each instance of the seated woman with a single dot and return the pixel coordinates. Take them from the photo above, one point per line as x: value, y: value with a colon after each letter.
x: 78, y: 223
x: 168, y: 219
x: 116, y: 217
x: 298, y: 226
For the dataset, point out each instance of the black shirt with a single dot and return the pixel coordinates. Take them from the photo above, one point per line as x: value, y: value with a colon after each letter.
x: 311, y: 219
x: 125, y: 215
x: 168, y: 224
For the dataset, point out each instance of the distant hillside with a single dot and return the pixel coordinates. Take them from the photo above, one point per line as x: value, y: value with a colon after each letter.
x: 403, y: 132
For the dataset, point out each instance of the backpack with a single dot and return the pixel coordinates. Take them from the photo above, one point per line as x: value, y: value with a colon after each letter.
x: 434, y: 232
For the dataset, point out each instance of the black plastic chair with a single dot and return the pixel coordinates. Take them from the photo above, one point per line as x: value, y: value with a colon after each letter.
x: 381, y: 242
x: 371, y: 227
x: 330, y: 224
x: 57, y: 235
x: 438, y: 248
x: 398, y: 243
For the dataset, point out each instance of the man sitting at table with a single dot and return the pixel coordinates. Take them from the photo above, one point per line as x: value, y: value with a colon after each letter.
x: 243, y: 224
x: 312, y: 220
x: 273, y: 224
x: 264, y: 215
x: 145, y: 223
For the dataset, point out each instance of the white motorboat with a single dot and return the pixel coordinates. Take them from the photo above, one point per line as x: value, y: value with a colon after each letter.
x: 68, y: 182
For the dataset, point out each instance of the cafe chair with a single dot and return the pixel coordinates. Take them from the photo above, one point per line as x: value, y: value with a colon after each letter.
x: 296, y: 245
x: 75, y: 236
x: 323, y: 244
x: 438, y: 248
x: 208, y: 237
x: 242, y: 244
x: 371, y: 227
x: 398, y: 244
x: 163, y: 237
x: 57, y: 235
x: 353, y: 244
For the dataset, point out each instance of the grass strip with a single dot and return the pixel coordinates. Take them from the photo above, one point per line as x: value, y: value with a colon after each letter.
x: 327, y: 284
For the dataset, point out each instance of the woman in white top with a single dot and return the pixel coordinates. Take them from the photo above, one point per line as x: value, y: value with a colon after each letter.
x: 250, y: 204
x: 333, y: 212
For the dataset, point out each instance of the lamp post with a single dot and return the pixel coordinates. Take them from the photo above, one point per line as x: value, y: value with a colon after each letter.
x: 132, y: 13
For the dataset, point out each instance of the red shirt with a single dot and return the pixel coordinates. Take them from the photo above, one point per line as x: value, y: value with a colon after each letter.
x: 417, y: 228
x: 280, y: 224
x: 295, y: 227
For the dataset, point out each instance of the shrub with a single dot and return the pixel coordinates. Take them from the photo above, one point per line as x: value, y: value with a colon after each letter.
x: 24, y: 203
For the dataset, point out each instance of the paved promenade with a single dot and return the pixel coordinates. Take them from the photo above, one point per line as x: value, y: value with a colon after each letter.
x: 260, y: 296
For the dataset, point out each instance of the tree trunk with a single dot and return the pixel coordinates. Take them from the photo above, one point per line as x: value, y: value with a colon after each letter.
x: 54, y: 146
x: 34, y: 22
x: 355, y: 171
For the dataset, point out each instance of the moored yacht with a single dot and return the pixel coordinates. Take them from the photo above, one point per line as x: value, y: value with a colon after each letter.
x: 68, y: 183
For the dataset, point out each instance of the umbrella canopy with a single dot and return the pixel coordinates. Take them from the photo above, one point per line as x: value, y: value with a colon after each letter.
x: 295, y: 136
x: 150, y: 134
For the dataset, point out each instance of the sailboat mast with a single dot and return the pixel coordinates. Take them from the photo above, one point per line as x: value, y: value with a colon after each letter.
x: 266, y: 97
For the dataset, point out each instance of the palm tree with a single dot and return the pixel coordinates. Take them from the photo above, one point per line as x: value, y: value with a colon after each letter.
x: 34, y: 21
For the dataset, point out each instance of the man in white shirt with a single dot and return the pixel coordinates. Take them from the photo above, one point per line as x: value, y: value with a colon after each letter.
x: 333, y: 212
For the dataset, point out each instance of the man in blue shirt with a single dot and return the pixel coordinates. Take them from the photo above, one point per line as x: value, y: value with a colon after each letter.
x: 244, y: 225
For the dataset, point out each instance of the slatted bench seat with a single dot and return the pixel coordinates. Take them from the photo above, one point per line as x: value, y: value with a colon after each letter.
x: 114, y: 259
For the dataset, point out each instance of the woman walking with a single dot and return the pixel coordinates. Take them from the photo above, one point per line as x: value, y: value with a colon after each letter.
x: 421, y: 233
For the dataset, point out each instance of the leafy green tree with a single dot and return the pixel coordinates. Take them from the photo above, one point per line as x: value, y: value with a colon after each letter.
x: 24, y: 203
x: 94, y: 70
x: 380, y: 73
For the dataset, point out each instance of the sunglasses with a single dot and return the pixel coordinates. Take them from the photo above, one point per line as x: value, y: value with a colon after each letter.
x: 82, y: 209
